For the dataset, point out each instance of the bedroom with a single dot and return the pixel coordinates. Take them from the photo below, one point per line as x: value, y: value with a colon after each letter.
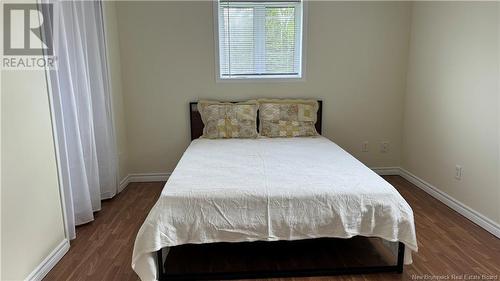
x: 410, y: 89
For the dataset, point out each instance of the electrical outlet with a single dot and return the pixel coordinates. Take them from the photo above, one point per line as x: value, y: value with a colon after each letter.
x: 458, y: 172
x: 384, y: 147
x: 364, y: 146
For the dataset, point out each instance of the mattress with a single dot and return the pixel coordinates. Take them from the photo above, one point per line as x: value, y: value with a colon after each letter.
x: 268, y: 189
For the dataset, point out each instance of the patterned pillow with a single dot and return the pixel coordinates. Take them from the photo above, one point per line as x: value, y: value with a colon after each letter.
x: 288, y: 118
x: 228, y: 120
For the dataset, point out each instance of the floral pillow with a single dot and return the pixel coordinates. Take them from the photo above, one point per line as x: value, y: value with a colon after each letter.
x: 288, y: 118
x: 228, y: 120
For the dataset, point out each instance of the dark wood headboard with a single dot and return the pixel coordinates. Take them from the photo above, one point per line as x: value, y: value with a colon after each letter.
x: 197, y: 124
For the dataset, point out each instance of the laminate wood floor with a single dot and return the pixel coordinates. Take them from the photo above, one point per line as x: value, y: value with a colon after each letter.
x: 450, y: 246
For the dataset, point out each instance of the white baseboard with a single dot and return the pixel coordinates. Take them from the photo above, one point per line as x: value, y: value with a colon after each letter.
x: 148, y: 177
x: 466, y: 211
x: 142, y: 177
x: 123, y: 183
x: 49, y: 262
x: 386, y: 171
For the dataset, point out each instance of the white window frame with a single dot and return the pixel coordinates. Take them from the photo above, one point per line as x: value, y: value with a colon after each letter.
x: 264, y: 78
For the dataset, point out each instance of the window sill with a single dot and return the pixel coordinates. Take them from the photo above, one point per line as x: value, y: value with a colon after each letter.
x: 261, y: 79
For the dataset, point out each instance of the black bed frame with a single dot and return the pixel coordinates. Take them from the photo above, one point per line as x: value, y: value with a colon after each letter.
x: 196, y: 131
x: 162, y: 275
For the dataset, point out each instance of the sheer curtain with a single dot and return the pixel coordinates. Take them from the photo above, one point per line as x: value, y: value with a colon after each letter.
x: 82, y: 103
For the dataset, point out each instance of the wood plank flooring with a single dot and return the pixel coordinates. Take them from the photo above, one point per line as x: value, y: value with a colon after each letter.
x: 450, y: 246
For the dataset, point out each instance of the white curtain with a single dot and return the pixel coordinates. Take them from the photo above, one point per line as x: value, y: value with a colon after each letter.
x: 82, y: 102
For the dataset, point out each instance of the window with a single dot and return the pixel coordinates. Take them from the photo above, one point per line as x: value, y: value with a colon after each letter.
x: 259, y: 39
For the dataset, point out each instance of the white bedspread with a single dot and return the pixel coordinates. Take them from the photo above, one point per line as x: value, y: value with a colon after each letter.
x: 270, y: 189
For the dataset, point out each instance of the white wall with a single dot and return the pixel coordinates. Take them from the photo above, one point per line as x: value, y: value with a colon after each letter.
x: 498, y: 95
x: 451, y: 104
x: 32, y: 221
x: 113, y: 51
x: 356, y: 62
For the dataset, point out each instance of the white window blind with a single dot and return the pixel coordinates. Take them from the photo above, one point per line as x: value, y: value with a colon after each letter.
x: 260, y: 39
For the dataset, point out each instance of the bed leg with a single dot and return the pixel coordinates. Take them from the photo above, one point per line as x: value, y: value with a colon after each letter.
x: 401, y: 257
x: 159, y: 264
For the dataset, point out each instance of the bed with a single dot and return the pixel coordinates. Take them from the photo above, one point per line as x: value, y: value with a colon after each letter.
x: 270, y: 189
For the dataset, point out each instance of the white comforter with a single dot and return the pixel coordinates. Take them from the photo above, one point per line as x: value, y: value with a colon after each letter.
x: 270, y: 189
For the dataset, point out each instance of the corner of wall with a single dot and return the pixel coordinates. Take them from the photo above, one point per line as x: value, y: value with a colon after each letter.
x: 115, y: 73
x: 405, y: 93
x: 498, y: 97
